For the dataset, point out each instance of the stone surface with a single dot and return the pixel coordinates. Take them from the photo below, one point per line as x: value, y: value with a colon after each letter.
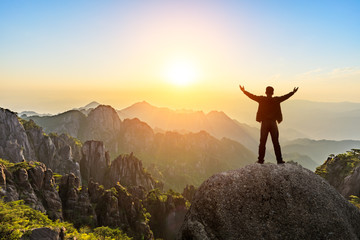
x: 167, y: 213
x: 128, y: 170
x: 14, y: 143
x: 44, y: 233
x: 270, y: 202
x: 94, y: 162
x: 76, y: 204
x: 22, y: 140
x: 351, y: 184
x: 102, y: 124
x: 189, y: 192
x: 34, y: 183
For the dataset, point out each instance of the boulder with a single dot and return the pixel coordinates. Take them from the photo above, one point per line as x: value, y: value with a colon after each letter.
x: 43, y: 233
x: 270, y: 202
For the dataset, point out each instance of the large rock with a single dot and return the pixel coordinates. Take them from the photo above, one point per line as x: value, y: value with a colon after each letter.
x: 95, y: 161
x: 102, y: 124
x: 270, y: 202
x: 76, y: 203
x: 44, y: 233
x: 14, y: 143
x: 167, y: 212
x: 128, y: 170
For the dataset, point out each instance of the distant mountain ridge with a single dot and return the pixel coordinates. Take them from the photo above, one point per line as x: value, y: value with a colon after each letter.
x: 216, y: 123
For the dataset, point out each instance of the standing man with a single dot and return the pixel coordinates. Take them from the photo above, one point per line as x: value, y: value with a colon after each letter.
x: 269, y: 114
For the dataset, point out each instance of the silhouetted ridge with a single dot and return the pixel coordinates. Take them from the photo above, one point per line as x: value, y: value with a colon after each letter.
x: 270, y: 202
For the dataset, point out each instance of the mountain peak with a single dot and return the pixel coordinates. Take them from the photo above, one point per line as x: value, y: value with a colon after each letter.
x: 93, y: 104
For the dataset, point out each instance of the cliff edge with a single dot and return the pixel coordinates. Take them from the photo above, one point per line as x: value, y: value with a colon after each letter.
x: 269, y: 202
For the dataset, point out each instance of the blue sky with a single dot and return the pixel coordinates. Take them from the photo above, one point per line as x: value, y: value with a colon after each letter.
x: 98, y: 50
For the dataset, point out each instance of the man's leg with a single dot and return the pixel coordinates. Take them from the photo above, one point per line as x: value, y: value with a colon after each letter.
x: 264, y: 131
x: 274, y: 132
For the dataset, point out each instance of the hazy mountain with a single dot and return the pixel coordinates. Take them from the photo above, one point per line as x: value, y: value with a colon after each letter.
x: 334, y: 121
x: 69, y: 122
x: 216, y: 123
x: 182, y: 158
x: 88, y: 107
x: 318, y: 150
x: 33, y: 113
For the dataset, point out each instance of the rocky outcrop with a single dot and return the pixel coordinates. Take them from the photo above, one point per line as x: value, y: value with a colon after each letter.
x: 14, y: 144
x: 270, y: 202
x: 343, y: 172
x: 95, y: 161
x: 351, y: 184
x: 55, y: 151
x: 22, y: 140
x: 128, y: 171
x: 102, y: 124
x: 167, y: 212
x: 76, y: 202
x: 118, y: 208
x: 33, y: 183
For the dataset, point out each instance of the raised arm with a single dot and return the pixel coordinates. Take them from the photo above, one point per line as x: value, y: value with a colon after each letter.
x: 286, y: 96
x: 250, y: 95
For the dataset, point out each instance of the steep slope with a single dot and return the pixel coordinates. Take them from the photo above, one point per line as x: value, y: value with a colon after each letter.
x: 342, y: 172
x: 14, y: 143
x: 270, y: 202
x: 69, y: 122
x: 22, y: 140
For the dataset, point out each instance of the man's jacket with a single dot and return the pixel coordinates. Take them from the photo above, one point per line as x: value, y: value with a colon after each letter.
x: 269, y: 107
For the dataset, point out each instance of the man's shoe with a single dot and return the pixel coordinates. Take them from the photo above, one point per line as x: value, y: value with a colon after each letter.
x: 260, y: 162
x: 281, y: 162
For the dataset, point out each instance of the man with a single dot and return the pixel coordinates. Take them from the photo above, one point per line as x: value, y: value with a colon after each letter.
x: 269, y: 112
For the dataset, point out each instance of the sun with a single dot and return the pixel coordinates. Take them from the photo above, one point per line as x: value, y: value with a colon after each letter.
x: 181, y: 73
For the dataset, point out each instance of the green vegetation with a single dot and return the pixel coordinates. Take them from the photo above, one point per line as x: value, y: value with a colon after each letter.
x: 12, y: 167
x: 343, y: 164
x: 156, y: 195
x: 355, y: 200
x: 28, y: 124
x: 18, y: 220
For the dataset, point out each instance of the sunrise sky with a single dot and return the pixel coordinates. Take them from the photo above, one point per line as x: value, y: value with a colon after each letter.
x: 57, y: 55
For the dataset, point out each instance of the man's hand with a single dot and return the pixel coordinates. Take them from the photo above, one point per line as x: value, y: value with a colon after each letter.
x: 242, y: 88
x: 295, y: 89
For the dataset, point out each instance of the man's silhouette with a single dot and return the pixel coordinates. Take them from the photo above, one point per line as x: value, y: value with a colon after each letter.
x: 269, y: 112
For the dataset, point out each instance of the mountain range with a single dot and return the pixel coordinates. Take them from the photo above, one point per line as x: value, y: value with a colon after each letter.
x: 177, y: 158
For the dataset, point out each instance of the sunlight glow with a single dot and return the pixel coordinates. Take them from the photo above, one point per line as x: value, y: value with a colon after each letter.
x: 181, y: 73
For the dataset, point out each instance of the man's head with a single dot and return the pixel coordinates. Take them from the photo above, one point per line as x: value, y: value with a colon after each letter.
x: 269, y: 91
